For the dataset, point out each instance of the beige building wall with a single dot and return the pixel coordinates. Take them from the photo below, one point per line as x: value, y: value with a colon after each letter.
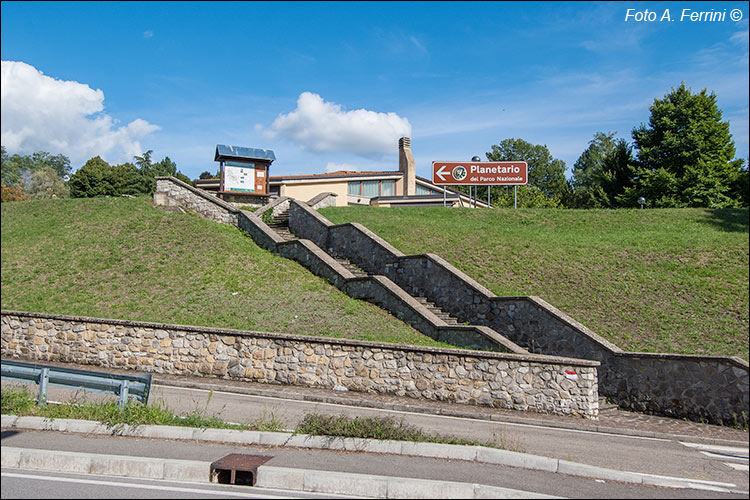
x: 307, y: 191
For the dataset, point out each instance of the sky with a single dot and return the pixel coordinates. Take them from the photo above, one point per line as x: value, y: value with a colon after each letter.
x: 332, y: 86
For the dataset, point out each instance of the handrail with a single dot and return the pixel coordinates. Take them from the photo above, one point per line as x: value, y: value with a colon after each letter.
x: 135, y: 386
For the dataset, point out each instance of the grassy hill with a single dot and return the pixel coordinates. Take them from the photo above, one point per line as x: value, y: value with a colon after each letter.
x: 122, y: 258
x: 670, y: 280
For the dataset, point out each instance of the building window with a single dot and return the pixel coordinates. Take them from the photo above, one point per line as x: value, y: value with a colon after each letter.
x: 421, y: 190
x: 372, y: 189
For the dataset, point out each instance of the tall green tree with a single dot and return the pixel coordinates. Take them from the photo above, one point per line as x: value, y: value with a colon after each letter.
x: 94, y: 178
x: 127, y: 180
x: 546, y: 173
x: 151, y: 170
x: 685, y: 153
x: 602, y: 173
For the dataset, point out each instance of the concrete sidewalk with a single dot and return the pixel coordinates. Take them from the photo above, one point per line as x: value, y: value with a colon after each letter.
x: 284, y: 478
x: 142, y: 467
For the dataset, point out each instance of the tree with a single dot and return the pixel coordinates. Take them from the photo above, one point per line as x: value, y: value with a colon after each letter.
x: 165, y: 167
x: 545, y: 172
x: 46, y: 183
x: 94, y: 178
x: 206, y: 175
x: 686, y: 153
x: 11, y: 193
x: 127, y: 180
x: 602, y: 173
x: 524, y: 196
x: 59, y: 163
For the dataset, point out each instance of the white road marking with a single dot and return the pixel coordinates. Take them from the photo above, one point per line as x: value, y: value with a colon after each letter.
x: 119, y: 484
x: 223, y: 492
x: 744, y: 467
x: 718, y: 448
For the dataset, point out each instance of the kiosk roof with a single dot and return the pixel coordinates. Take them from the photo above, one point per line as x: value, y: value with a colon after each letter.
x: 242, y: 153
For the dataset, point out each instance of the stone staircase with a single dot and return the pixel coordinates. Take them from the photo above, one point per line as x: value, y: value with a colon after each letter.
x: 437, y: 311
x: 357, y: 271
x: 280, y: 224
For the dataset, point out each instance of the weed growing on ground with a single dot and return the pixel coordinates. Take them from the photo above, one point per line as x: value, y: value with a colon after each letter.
x: 387, y: 428
x: 19, y: 401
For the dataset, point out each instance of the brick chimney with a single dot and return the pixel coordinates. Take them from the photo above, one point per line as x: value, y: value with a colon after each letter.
x: 407, y: 166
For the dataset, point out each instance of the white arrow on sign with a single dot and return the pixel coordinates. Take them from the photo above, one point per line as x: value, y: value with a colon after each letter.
x: 441, y: 174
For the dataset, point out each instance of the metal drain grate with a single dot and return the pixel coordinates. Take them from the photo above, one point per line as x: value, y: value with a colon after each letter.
x: 238, y: 469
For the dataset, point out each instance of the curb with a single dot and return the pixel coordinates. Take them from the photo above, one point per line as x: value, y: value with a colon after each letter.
x: 282, y: 478
x: 431, y: 450
x: 415, y: 408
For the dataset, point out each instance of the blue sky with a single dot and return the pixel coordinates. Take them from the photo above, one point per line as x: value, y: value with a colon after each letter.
x: 332, y: 86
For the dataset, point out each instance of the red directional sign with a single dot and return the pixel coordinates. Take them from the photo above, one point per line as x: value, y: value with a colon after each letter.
x: 485, y: 173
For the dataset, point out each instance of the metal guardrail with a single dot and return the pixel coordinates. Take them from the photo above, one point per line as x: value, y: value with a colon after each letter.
x: 135, y: 386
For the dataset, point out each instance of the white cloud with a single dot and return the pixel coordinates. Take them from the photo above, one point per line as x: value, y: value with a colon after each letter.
x: 41, y: 113
x: 317, y: 125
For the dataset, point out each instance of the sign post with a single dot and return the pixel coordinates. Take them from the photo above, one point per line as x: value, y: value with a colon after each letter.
x: 486, y: 173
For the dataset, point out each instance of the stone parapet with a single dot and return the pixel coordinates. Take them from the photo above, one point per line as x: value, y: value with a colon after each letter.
x: 513, y: 381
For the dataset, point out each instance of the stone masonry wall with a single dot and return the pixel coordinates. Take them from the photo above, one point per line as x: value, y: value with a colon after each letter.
x: 708, y: 388
x: 172, y: 192
x: 520, y: 382
x: 379, y: 290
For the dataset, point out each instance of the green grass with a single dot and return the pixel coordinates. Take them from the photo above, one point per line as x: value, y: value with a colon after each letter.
x: 17, y: 400
x: 125, y: 259
x: 317, y: 424
x: 670, y: 280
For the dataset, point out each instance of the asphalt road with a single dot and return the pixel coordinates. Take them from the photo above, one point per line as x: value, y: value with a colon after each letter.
x: 361, y: 463
x: 625, y: 453
x: 620, y: 452
x: 30, y: 484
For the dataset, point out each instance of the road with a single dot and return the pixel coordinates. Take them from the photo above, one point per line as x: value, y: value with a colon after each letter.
x: 667, y: 457
x: 81, y: 486
x: 627, y: 453
x: 349, y: 462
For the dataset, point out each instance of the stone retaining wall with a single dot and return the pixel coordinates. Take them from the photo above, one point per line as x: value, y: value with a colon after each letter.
x: 520, y: 382
x: 707, y: 388
x: 379, y: 290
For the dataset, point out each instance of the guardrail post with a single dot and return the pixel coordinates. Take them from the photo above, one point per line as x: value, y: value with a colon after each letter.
x: 43, y: 380
x: 123, y: 393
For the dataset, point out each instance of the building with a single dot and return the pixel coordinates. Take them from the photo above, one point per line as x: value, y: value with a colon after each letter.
x: 400, y: 187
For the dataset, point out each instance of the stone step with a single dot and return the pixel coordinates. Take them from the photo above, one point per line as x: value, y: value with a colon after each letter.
x: 352, y: 268
x: 437, y: 311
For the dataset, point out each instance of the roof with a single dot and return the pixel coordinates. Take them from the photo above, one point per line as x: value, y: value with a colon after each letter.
x: 239, y: 152
x: 334, y: 175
